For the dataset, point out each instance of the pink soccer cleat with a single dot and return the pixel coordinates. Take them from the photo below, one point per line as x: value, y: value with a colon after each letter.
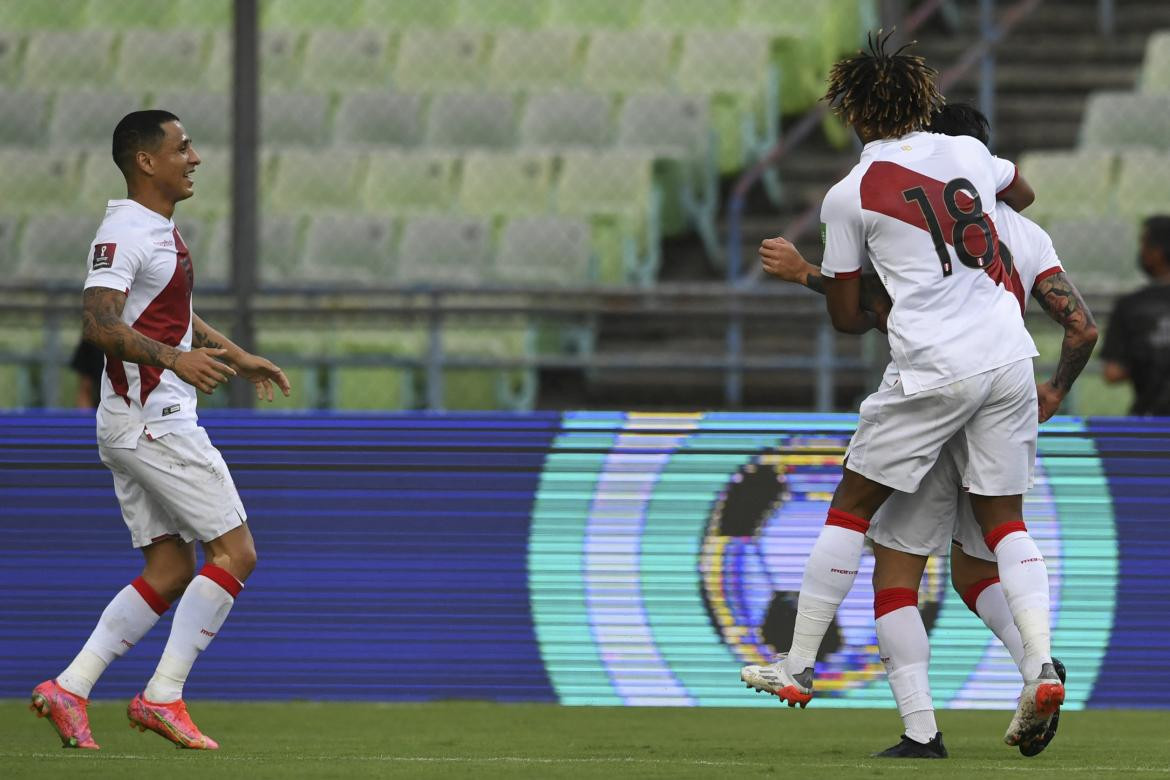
x: 66, y: 711
x: 171, y: 721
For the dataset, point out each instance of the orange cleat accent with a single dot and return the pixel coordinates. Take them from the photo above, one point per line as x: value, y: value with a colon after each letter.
x: 67, y: 712
x: 169, y: 720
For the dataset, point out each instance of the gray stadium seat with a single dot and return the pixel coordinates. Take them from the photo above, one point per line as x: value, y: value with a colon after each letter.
x: 1141, y: 183
x: 294, y: 118
x: 101, y: 181
x: 629, y: 61
x: 311, y: 181
x: 444, y: 250
x: 86, y: 119
x: 545, y: 250
x: 347, y: 249
x: 281, y: 59
x: 347, y: 59
x: 1069, y: 184
x: 206, y: 116
x: 560, y: 120
x: 1118, y: 120
x: 162, y: 59
x: 1155, y: 76
x: 9, y: 249
x: 213, y: 181
x: 507, y: 183
x: 36, y: 181
x: 281, y: 261
x: 10, y: 51
x: 535, y: 59
x: 471, y: 120
x: 23, y: 119
x: 379, y: 118
x: 79, y: 58
x: 1098, y: 252
x: 54, y: 248
x: 433, y: 60
x: 404, y: 182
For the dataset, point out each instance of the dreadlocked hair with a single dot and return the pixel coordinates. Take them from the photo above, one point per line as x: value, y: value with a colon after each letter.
x: 890, y: 94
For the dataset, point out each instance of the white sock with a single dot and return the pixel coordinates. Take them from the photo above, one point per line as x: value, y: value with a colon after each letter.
x: 905, y: 651
x: 125, y: 620
x: 201, y: 613
x: 828, y: 577
x: 985, y: 598
x: 1024, y: 578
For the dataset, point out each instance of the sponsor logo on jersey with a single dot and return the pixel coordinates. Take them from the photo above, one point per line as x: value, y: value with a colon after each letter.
x: 171, y: 409
x: 103, y: 255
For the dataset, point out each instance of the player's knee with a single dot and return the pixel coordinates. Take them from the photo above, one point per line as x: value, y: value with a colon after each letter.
x: 240, y: 562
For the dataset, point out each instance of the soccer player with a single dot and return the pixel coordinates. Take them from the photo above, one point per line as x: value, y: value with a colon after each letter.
x: 914, y: 206
x: 909, y: 527
x: 172, y: 484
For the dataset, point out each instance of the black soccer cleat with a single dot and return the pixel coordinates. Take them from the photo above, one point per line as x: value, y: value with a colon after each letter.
x: 908, y: 748
x: 1034, y: 747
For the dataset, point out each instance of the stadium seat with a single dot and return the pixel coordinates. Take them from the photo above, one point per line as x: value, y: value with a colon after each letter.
x: 379, y: 118
x: 506, y: 183
x: 163, y: 59
x: 548, y: 251
x: 444, y: 250
x: 294, y: 118
x: 311, y: 181
x: 560, y: 120
x: 409, y: 182
x: 535, y: 59
x: 436, y: 60
x: 1069, y: 184
x: 309, y: 14
x: 23, y: 122
x: 281, y: 60
x: 35, y: 181
x: 11, y: 47
x: 1141, y: 184
x: 1118, y: 120
x: 86, y: 119
x: 802, y: 38
x: 499, y: 14
x: 79, y: 58
x: 213, y: 182
x: 1098, y: 252
x: 594, y: 14
x: 101, y: 181
x: 206, y: 116
x: 150, y: 15
x: 623, y: 62
x: 470, y: 120
x: 681, y: 15
x: 35, y: 15
x: 281, y: 261
x: 406, y: 14
x: 349, y: 250
x: 347, y: 59
x: 54, y: 248
x: 1155, y: 76
x: 9, y: 249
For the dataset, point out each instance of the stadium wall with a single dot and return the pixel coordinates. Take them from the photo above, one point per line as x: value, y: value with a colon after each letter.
x: 581, y: 558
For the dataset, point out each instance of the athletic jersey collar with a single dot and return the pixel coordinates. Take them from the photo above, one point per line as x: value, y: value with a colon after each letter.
x: 140, y: 209
x: 872, y: 147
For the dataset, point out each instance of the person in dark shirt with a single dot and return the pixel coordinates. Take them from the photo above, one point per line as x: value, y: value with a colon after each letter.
x: 1137, y: 341
x: 88, y: 362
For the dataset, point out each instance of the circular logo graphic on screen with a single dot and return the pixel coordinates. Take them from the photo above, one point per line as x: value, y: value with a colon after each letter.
x: 759, y: 534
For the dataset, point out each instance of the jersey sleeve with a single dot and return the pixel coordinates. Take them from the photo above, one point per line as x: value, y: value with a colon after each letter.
x: 1047, y: 261
x: 114, y: 261
x: 844, y: 233
x: 1005, y: 173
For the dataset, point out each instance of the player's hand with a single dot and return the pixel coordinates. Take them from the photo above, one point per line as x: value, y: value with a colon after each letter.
x: 1049, y: 399
x: 262, y: 373
x: 200, y: 368
x: 781, y: 259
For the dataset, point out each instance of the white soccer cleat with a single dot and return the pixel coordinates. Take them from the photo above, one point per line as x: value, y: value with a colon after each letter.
x: 1039, y: 701
x: 774, y: 679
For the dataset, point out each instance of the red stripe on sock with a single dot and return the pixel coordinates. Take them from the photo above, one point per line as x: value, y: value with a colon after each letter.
x: 999, y: 532
x: 971, y: 594
x: 150, y: 596
x: 887, y: 600
x: 223, y: 578
x: 846, y: 520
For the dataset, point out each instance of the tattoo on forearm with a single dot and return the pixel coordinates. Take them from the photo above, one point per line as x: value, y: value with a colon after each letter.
x: 102, y: 324
x: 1060, y: 298
x: 813, y: 282
x: 203, y: 338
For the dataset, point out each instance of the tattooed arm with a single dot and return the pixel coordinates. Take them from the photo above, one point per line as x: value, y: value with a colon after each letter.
x: 203, y: 335
x: 1062, y: 301
x: 103, y: 326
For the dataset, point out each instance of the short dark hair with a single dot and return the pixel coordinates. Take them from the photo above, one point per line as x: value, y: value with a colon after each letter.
x: 1157, y: 234
x: 138, y: 131
x: 961, y: 119
x: 892, y: 94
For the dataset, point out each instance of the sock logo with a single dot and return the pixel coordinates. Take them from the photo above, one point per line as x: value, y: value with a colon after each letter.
x: 128, y: 644
x: 205, y: 632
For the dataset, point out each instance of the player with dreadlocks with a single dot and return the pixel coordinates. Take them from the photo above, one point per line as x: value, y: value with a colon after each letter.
x: 920, y: 207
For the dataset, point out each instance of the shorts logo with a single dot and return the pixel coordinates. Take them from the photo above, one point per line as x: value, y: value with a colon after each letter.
x: 103, y: 255
x: 170, y: 409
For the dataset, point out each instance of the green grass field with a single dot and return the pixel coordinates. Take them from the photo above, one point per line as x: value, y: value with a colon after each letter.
x: 480, y: 740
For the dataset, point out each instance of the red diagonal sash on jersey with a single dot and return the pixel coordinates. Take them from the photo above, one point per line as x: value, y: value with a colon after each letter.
x: 882, y: 190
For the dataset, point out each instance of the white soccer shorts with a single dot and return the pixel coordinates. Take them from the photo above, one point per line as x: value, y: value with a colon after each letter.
x: 175, y: 484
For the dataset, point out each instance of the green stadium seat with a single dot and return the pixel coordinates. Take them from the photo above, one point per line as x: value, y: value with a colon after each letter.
x: 1119, y: 120
x: 213, y: 182
x: 803, y: 45
x: 406, y: 14
x: 80, y: 58
x: 206, y: 116
x: 36, y: 15
x: 1098, y: 252
x: 444, y: 250
x: 409, y: 182
x: 281, y: 261
x: 349, y: 250
x: 23, y: 122
x: 281, y: 60
x: 36, y: 181
x: 10, y: 60
x: 163, y: 59
x: 130, y: 15
x: 506, y: 183
x: 535, y: 59
x: 202, y: 14
x: 560, y: 120
x: 498, y: 14
x: 379, y: 118
x: 310, y: 14
x: 1141, y: 184
x: 437, y: 60
x: 9, y: 249
x: 1155, y: 76
x: 54, y: 248
x: 347, y: 59
x: 594, y: 14
x: 86, y: 119
x: 101, y: 181
x: 1069, y: 184
x: 294, y: 118
x: 683, y: 15
x: 471, y: 120
x: 312, y: 181
x: 624, y: 62
x: 548, y: 251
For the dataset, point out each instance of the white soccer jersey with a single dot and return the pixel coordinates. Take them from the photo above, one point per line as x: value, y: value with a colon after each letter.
x: 141, y: 253
x: 922, y: 209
